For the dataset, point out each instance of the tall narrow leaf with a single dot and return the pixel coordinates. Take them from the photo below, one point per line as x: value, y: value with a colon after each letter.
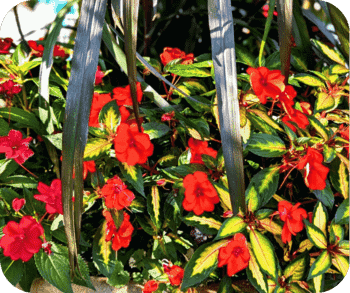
x: 285, y: 19
x: 224, y: 59
x: 75, y: 130
x: 130, y: 33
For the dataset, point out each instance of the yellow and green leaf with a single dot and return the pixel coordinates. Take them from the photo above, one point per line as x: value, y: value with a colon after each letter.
x: 203, y: 262
x: 341, y: 263
x: 266, y: 145
x: 95, y: 148
x: 266, y: 118
x: 315, y: 235
x: 342, y: 214
x: 264, y: 253
x: 321, y: 130
x: 330, y: 53
x: 256, y: 277
x: 224, y: 196
x: 133, y: 174
x: 324, y: 102
x: 322, y: 263
x: 205, y: 223
x: 340, y: 177
x: 230, y: 227
x: 318, y: 283
x: 252, y: 197
x: 309, y: 79
x: 297, y: 268
x: 110, y: 116
x: 343, y: 247
x: 320, y: 217
x: 153, y: 206
x: 271, y: 226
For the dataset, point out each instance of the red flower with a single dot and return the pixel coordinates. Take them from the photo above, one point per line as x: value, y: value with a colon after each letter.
x: 5, y: 45
x: 47, y: 247
x: 315, y: 173
x: 175, y: 274
x: 22, y: 240
x: 344, y: 133
x: 18, y: 203
x: 199, y: 148
x: 200, y: 195
x: 58, y: 51
x: 168, y: 116
x: 150, y: 286
x: 116, y: 193
x: 10, y: 88
x: 38, y: 50
x: 99, y: 75
x: 88, y: 166
x: 297, y: 117
x: 235, y: 255
x: 98, y: 101
x: 120, y: 237
x: 123, y: 95
x: 266, y: 83
x: 51, y: 195
x: 175, y: 53
x: 286, y: 97
x: 292, y: 216
x: 131, y: 146
x: 15, y: 147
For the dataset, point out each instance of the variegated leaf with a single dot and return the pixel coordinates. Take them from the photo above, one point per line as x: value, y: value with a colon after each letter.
x: 133, y: 174
x: 230, y: 227
x: 322, y: 263
x: 342, y: 214
x: 202, y: 263
x: 205, y: 223
x: 315, y: 235
x: 95, y: 148
x: 318, y: 283
x: 296, y: 269
x: 153, y: 206
x: 320, y: 217
x: 264, y: 253
x: 271, y: 226
x: 110, y: 116
x: 266, y: 145
x: 341, y: 263
x: 224, y: 196
x: 340, y: 177
x: 256, y: 277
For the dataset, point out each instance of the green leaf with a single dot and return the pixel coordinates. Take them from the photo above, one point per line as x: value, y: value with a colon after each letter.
x: 153, y: 206
x: 260, y: 125
x: 343, y: 247
x: 309, y: 80
x: 4, y: 128
x: 133, y: 174
x: 244, y: 55
x: 329, y: 153
x: 205, y: 107
x: 265, y: 183
x: 264, y: 253
x: 12, y: 270
x: 147, y: 225
x: 339, y: 177
x: 319, y: 127
x: 23, y: 117
x: 336, y: 232
x: 318, y: 283
x: 30, y: 273
x: 20, y: 181
x: 205, y: 222
x: 7, y: 167
x: 95, y: 148
x: 53, y: 89
x: 226, y: 285
x: 187, y: 70
x: 315, y: 235
x: 30, y: 65
x: 298, y: 60
x: 341, y: 26
x: 342, y: 214
x: 255, y: 276
x: 110, y: 116
x: 104, y: 257
x: 203, y: 262
x: 324, y: 102
x: 18, y: 57
x: 330, y: 53
x: 320, y: 217
x: 322, y: 263
x: 341, y: 263
x: 55, y: 139
x: 266, y: 145
x: 54, y: 268
x: 297, y: 268
x: 325, y: 196
x: 155, y: 129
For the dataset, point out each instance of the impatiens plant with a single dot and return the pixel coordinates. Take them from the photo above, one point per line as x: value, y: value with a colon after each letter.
x: 140, y: 186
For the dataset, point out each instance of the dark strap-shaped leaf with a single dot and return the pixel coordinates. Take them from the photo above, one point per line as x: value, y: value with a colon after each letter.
x: 130, y: 33
x: 224, y: 59
x: 285, y: 17
x: 75, y: 130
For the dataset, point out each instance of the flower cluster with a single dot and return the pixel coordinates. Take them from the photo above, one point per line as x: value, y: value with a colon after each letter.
x: 38, y: 50
x: 51, y: 195
x: 5, y: 45
x: 199, y: 148
x: 9, y: 88
x: 175, y: 53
